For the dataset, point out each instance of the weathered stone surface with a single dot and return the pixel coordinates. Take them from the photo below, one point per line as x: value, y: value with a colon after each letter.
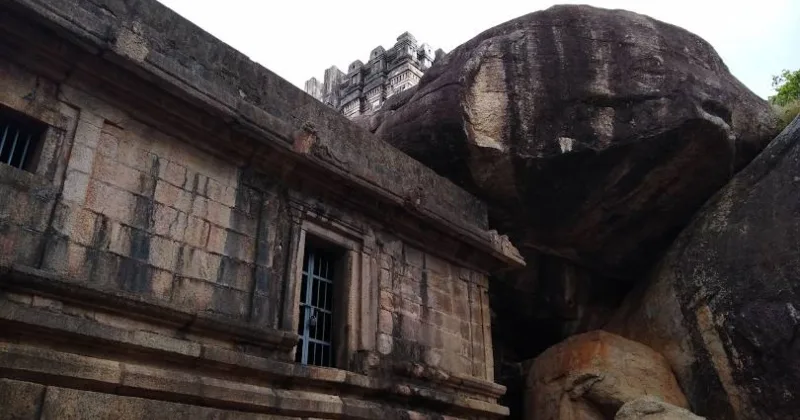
x: 179, y: 190
x: 591, y: 375
x: 589, y: 131
x: 723, y: 305
x: 62, y: 403
x: 20, y: 400
x: 650, y: 408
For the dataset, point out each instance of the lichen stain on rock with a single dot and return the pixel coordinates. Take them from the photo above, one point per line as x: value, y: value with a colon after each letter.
x: 719, y: 357
x: 486, y: 103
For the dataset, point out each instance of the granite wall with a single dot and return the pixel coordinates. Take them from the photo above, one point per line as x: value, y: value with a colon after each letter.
x: 156, y: 257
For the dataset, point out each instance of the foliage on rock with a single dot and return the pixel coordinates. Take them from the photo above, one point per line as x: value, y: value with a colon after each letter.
x: 787, y: 88
x: 787, y: 96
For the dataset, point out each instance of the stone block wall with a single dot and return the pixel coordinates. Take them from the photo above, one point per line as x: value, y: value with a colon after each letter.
x: 149, y: 214
x: 435, y: 313
x: 27, y: 198
x: 153, y: 250
x: 118, y: 204
x: 144, y: 213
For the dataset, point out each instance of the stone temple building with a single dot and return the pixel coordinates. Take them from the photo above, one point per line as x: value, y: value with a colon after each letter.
x: 364, y: 88
x: 185, y: 235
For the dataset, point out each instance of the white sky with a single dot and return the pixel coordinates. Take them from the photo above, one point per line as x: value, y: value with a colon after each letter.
x: 298, y: 39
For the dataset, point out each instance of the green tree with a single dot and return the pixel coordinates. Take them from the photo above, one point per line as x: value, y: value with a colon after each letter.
x: 787, y: 95
x: 787, y: 88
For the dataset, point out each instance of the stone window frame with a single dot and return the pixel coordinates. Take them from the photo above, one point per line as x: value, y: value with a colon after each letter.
x: 30, y: 136
x: 58, y: 125
x: 357, y: 297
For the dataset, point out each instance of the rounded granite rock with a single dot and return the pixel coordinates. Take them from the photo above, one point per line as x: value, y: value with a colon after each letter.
x: 593, y: 134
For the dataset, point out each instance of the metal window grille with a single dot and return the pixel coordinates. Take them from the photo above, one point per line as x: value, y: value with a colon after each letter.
x: 316, y: 309
x: 18, y: 139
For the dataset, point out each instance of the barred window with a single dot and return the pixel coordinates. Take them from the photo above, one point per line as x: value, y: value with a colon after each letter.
x: 316, y: 324
x: 19, y: 139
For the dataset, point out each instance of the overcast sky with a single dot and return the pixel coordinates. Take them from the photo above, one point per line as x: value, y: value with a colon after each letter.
x: 298, y: 39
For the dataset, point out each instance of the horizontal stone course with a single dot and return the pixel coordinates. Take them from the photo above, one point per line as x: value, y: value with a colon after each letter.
x: 51, y: 362
x: 69, y: 403
x: 111, y: 299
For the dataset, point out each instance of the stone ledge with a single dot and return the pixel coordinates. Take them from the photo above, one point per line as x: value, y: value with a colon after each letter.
x: 458, y: 382
x: 27, y: 400
x: 459, y: 394
x: 258, y: 394
x: 133, y: 305
x: 161, y: 387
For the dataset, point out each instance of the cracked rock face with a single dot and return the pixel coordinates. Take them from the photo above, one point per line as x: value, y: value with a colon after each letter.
x: 594, y: 134
x: 723, y: 306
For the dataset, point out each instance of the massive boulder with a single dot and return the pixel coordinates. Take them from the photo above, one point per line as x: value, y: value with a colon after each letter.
x: 590, y: 376
x: 723, y: 306
x: 594, y: 134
